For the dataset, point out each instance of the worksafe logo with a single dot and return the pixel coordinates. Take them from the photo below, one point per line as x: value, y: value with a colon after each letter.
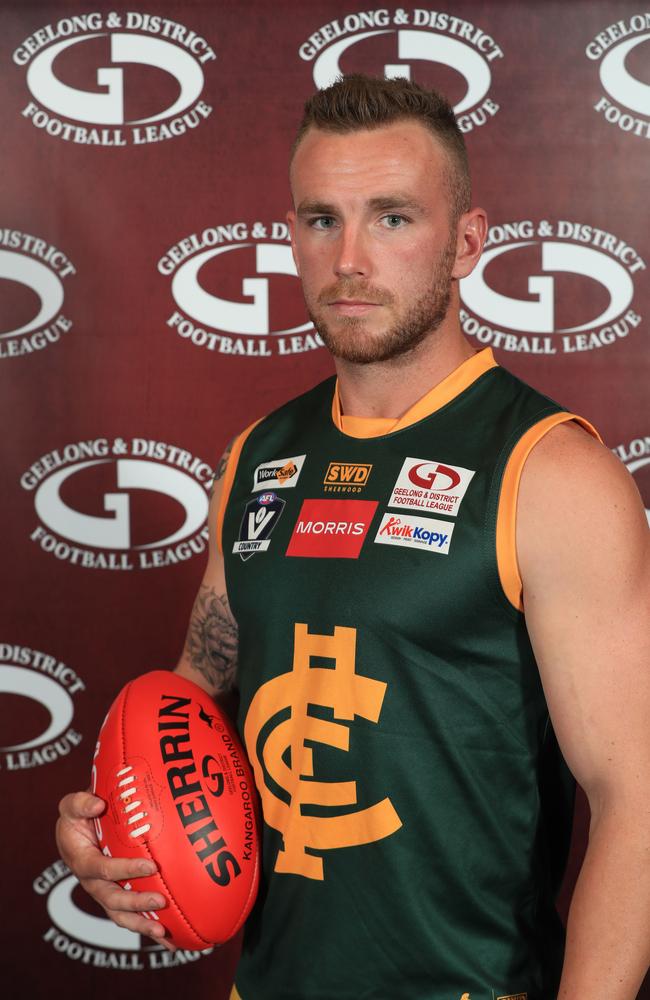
x: 346, y: 477
x: 430, y: 46
x: 120, y: 505
x: 636, y: 456
x: 623, y: 50
x: 96, y: 941
x: 556, y: 287
x: 283, y: 473
x: 138, y: 78
x: 32, y: 272
x: 286, y: 758
x: 236, y: 291
x: 44, y: 685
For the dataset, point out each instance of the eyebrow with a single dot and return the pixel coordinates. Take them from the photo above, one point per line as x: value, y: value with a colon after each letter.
x: 383, y: 203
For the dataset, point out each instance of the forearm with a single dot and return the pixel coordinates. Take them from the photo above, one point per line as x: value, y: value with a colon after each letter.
x: 608, y: 932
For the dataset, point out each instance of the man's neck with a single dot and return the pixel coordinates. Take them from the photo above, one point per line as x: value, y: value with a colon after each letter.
x: 388, y: 389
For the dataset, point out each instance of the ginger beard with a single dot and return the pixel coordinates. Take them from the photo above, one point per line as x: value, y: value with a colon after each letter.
x: 349, y: 338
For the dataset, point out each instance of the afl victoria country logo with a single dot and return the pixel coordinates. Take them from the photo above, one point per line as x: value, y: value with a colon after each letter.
x: 623, y: 51
x: 122, y: 505
x: 237, y: 293
x: 410, y: 43
x: 95, y: 940
x: 32, y: 273
x: 283, y: 749
x: 551, y: 288
x: 164, y: 59
x: 39, y: 725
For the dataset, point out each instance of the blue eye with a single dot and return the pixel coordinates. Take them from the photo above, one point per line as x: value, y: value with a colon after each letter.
x: 322, y: 222
x: 393, y: 221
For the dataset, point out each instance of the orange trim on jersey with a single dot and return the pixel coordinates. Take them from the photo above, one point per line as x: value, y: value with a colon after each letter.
x: 229, y: 478
x: 441, y: 394
x: 506, y: 530
x: 234, y: 995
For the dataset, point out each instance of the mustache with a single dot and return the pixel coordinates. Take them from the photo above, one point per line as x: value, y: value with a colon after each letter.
x: 343, y: 289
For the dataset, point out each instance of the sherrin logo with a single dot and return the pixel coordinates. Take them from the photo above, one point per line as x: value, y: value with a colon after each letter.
x: 102, y: 48
x: 636, y: 456
x: 96, y: 941
x: 346, y: 477
x: 221, y: 281
x: 31, y: 263
x: 155, y: 498
x: 415, y: 532
x: 419, y: 39
x: 42, y: 679
x: 623, y: 49
x: 430, y: 486
x: 557, y: 287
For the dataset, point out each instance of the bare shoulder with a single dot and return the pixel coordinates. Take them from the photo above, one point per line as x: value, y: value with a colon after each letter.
x: 578, y: 510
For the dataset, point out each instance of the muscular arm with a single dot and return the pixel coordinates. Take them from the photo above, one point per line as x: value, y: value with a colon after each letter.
x: 582, y: 544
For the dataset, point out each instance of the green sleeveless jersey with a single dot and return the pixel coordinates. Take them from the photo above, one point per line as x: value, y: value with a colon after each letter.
x: 416, y: 807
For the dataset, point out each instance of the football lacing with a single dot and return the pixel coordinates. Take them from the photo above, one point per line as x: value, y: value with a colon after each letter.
x: 129, y: 793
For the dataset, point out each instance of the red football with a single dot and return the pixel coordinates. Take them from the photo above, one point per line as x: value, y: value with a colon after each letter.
x: 179, y: 790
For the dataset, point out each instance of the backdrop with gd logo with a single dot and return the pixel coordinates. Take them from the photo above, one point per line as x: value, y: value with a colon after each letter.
x: 150, y: 310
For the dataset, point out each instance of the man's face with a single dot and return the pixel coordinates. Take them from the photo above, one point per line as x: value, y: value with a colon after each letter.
x: 371, y: 238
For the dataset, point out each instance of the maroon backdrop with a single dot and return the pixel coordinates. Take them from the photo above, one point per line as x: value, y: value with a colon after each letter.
x: 150, y: 311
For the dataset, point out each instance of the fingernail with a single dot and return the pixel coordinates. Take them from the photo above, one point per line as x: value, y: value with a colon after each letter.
x: 147, y: 867
x: 156, y: 902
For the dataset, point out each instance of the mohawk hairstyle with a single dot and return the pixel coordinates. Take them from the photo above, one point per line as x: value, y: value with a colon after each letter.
x: 357, y: 102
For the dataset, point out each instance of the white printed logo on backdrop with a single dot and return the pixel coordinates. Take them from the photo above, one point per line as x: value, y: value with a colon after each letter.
x: 636, y: 456
x: 549, y: 263
x: 96, y: 941
x: 121, y: 505
x: 418, y: 38
x: 110, y: 51
x: 37, y: 270
x: 41, y: 678
x: 236, y: 293
x: 623, y: 51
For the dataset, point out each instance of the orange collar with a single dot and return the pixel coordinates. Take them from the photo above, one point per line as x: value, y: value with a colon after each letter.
x: 441, y: 394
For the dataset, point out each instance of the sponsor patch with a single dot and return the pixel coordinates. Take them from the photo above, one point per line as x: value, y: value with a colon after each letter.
x: 514, y: 996
x: 331, y: 529
x: 281, y: 474
x: 415, y: 532
x: 346, y: 477
x: 432, y: 486
x: 261, y: 514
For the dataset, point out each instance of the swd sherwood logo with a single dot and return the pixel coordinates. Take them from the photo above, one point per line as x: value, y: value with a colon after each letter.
x: 623, y: 51
x: 32, y: 272
x: 235, y: 291
x: 348, y: 694
x: 49, y: 685
x: 414, y: 43
x: 96, y: 941
x: 99, y: 503
x: 551, y: 288
x: 142, y: 78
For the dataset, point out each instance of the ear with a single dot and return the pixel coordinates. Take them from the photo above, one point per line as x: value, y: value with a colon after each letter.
x: 291, y: 223
x: 471, y: 234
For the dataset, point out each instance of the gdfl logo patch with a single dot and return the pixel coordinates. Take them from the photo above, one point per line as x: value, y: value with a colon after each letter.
x: 261, y: 514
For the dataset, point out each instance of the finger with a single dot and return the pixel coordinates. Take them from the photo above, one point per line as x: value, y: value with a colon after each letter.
x: 92, y: 864
x: 80, y: 805
x: 138, y: 924
x: 115, y: 899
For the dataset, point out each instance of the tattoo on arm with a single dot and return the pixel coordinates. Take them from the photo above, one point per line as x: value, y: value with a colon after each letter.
x: 221, y: 468
x: 211, y: 642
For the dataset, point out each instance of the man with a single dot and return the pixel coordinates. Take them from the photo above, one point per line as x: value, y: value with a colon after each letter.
x: 425, y: 560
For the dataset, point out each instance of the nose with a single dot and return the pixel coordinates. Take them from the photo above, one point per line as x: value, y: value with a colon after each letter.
x: 352, y: 257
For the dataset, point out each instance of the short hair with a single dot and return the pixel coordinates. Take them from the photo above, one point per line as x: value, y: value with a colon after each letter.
x: 356, y: 102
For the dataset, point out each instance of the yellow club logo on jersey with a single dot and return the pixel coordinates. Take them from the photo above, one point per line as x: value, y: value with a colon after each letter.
x: 289, y: 763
